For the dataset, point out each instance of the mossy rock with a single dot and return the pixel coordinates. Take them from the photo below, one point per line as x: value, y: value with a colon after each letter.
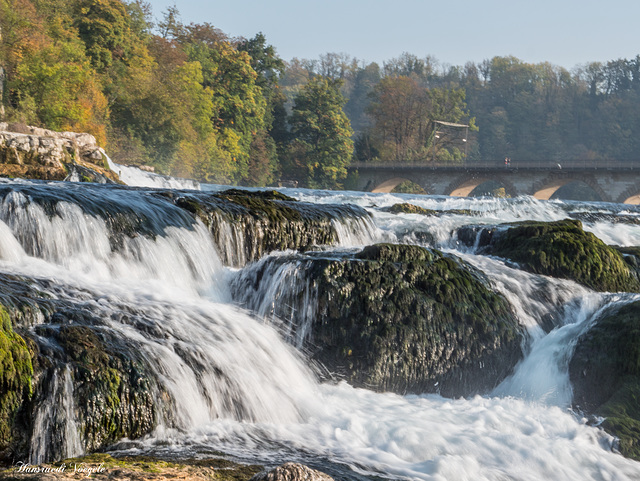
x: 113, y: 395
x: 408, y: 319
x: 16, y: 374
x: 408, y: 187
x: 255, y: 223
x: 563, y: 249
x: 605, y: 374
x: 406, y: 208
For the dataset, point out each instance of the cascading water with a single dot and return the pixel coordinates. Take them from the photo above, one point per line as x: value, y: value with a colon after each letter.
x: 139, y: 178
x: 227, y: 381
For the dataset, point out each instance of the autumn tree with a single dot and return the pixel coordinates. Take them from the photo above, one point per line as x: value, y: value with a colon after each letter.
x: 322, y: 133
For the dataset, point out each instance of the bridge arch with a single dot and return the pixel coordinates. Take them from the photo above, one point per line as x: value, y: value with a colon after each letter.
x: 630, y: 196
x: 545, y: 189
x: 464, y: 186
x: 388, y: 185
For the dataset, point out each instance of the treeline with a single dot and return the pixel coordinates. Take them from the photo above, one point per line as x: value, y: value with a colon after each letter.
x: 187, y: 99
x: 194, y: 102
x: 513, y: 109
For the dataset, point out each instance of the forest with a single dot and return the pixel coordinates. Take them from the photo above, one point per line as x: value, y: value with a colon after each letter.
x: 193, y: 101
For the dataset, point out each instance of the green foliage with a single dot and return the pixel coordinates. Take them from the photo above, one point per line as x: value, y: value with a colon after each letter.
x: 103, y: 27
x: 323, y: 133
x: 59, y: 82
x: 563, y: 249
x: 404, y: 115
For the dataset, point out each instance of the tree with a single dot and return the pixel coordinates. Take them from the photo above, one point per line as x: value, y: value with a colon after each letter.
x: 58, y: 84
x: 398, y: 108
x: 322, y: 133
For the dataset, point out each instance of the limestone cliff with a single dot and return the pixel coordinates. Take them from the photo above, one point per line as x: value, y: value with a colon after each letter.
x: 34, y: 153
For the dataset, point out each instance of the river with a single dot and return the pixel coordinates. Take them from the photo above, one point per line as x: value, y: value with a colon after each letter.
x: 238, y: 383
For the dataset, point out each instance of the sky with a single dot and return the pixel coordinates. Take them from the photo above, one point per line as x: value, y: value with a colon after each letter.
x: 567, y: 33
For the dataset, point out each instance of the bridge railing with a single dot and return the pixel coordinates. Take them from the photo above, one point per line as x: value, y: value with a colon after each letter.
x: 513, y: 165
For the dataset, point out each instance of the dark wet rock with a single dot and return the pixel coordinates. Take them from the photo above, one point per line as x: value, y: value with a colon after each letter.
x: 610, y: 218
x: 406, y: 208
x: 246, y: 225
x: 396, y: 318
x: 113, y: 394
x: 475, y: 235
x: 605, y: 374
x: 292, y: 472
x: 409, y: 209
x: 559, y: 249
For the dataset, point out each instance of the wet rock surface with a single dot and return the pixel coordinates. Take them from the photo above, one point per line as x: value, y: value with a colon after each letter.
x: 71, y: 363
x: 292, y: 472
x: 559, y: 249
x: 247, y: 225
x: 395, y: 318
x: 605, y: 375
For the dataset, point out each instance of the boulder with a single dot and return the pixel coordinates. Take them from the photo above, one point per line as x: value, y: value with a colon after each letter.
x: 399, y: 318
x: 559, y: 249
x: 605, y: 375
x: 246, y: 225
x: 292, y: 472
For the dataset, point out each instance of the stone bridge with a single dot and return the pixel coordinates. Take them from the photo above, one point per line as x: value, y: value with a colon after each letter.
x: 611, y: 181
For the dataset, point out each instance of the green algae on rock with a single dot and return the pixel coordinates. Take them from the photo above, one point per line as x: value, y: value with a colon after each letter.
x: 16, y: 374
x: 404, y: 318
x: 563, y: 249
x: 245, y: 225
x: 605, y: 374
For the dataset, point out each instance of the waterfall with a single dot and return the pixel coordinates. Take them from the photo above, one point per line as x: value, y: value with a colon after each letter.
x: 218, y: 346
x: 55, y: 425
x: 139, y: 178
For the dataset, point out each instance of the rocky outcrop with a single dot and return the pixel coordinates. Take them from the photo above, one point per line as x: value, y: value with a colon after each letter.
x: 292, y: 472
x: 55, y: 352
x: 246, y: 225
x: 35, y: 153
x: 396, y: 318
x: 605, y: 374
x: 406, y: 208
x: 559, y: 249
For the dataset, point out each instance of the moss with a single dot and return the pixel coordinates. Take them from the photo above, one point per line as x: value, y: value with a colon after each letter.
x: 407, y: 208
x: 406, y: 318
x: 256, y: 223
x: 563, y: 249
x: 16, y: 373
x: 240, y: 195
x: 605, y: 373
x: 113, y: 396
x: 622, y: 412
x: 408, y: 187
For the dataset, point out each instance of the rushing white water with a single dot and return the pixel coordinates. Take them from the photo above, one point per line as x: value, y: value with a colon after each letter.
x: 140, y: 178
x: 236, y: 386
x: 55, y: 421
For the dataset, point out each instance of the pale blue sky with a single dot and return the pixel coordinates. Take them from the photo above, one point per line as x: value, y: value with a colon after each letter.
x: 563, y: 32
